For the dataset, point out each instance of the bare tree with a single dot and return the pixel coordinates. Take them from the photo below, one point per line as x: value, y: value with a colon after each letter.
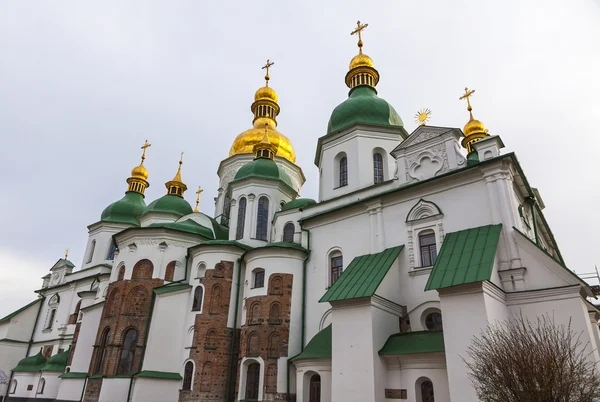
x: 523, y: 361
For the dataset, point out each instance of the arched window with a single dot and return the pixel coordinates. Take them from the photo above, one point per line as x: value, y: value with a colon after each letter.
x: 433, y: 322
x: 138, y: 301
x: 377, y: 168
x: 51, y: 318
x: 114, y: 303
x: 101, y: 352
x: 343, y: 172
x: 262, y: 218
x: 188, y: 376
x: 13, y: 387
x: 271, y: 383
x: 112, y: 248
x: 252, y: 347
x: 254, y: 314
x: 206, y: 376
x: 41, y: 386
x: 121, y: 273
x: 170, y: 271
x: 336, y: 265
x: 241, y: 219
x: 198, y: 297
x: 253, y: 381
x: 274, y: 314
x: 273, y: 350
x: 288, y: 232
x: 215, y: 300
x: 210, y: 342
x: 200, y: 270
x: 258, y: 278
x: 91, y: 253
x: 276, y: 286
x: 143, y: 270
x: 427, y: 391
x: 428, y: 248
x: 128, y: 352
x: 315, y: 388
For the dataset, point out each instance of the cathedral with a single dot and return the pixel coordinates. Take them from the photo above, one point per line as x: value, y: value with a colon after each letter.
x: 371, y: 293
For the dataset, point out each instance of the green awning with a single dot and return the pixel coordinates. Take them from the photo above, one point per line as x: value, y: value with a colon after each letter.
x: 164, y: 375
x: 363, y: 276
x: 466, y: 256
x: 413, y: 343
x: 319, y: 346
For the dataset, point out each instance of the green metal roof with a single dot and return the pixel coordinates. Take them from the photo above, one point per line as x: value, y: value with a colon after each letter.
x: 14, y: 313
x: 319, y: 346
x: 298, y: 203
x: 73, y: 374
x: 188, y: 226
x: 173, y: 288
x: 264, y: 169
x: 170, y: 204
x: 58, y: 362
x: 164, y: 375
x: 413, y: 343
x: 126, y: 210
x: 466, y: 256
x: 31, y: 364
x: 225, y: 243
x: 284, y: 244
x: 363, y: 276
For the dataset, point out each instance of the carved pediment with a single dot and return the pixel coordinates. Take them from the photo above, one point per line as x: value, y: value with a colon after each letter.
x: 423, y: 134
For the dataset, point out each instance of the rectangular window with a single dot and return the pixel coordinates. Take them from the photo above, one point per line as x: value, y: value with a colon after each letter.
x: 428, y: 249
x: 259, y: 279
x: 336, y: 268
x: 343, y: 171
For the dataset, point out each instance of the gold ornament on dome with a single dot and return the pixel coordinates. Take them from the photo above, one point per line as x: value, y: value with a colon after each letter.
x: 361, y: 70
x: 198, y: 198
x: 474, y: 129
x: 423, y: 116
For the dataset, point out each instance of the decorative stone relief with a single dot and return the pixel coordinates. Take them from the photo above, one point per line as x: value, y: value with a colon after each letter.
x: 460, y: 159
x: 424, y: 136
x: 427, y: 164
x: 150, y: 242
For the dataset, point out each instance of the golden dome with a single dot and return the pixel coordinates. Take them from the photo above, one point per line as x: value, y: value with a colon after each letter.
x: 361, y: 60
x: 139, y: 172
x: 245, y: 142
x: 266, y: 93
x: 474, y: 127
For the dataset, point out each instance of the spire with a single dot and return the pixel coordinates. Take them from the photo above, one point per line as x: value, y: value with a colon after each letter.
x: 176, y: 186
x: 198, y: 199
x: 474, y: 129
x: 361, y: 71
x: 265, y: 107
x: 138, y: 182
x: 265, y: 149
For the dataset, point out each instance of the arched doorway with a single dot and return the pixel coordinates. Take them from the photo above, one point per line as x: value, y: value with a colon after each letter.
x: 252, y: 381
x: 427, y: 391
x: 314, y: 394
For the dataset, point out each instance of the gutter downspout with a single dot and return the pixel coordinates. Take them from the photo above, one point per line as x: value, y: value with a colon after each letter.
x: 532, y: 203
x: 302, y: 335
x: 233, y: 339
x: 37, y: 318
x: 83, y: 389
x: 147, y: 330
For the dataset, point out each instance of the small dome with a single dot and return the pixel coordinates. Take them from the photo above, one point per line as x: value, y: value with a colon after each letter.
x: 58, y: 362
x: 139, y: 172
x: 361, y: 60
x: 170, y: 204
x: 263, y: 169
x: 245, y: 142
x: 298, y: 203
x: 126, y: 210
x: 266, y: 93
x: 31, y: 364
x: 473, y: 127
x: 363, y: 106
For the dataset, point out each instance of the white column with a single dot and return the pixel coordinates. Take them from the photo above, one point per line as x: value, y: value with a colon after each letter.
x: 233, y: 220
x: 250, y: 213
x: 373, y: 229
x: 380, y: 231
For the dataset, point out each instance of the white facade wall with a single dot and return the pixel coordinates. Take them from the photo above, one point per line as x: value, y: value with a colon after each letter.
x: 409, y: 371
x: 155, y: 389
x: 114, y: 389
x: 87, y: 338
x: 24, y: 381
x: 101, y: 233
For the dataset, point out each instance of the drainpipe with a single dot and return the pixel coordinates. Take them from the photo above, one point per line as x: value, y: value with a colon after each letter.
x: 83, y: 389
x: 531, y: 202
x: 147, y: 330
x: 232, y: 363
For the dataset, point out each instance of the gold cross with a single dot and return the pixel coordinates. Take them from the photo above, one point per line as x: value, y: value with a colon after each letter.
x: 144, y: 147
x: 66, y: 253
x: 466, y: 96
x: 266, y: 67
x: 198, y: 199
x: 358, y: 30
x: 181, y: 159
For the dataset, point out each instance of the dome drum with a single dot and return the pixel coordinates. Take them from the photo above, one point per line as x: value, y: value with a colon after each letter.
x: 362, y: 75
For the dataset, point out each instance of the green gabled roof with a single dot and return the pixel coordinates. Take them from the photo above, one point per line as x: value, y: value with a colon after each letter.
x: 299, y: 203
x: 413, y: 343
x: 31, y: 364
x: 167, y: 289
x: 14, y: 313
x: 466, y: 256
x: 363, y: 276
x: 187, y: 226
x: 319, y: 346
x: 58, y: 362
x: 159, y: 374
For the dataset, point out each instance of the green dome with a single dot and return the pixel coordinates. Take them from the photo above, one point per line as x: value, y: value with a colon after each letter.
x: 31, y: 364
x: 126, y: 210
x: 188, y: 226
x: 264, y: 169
x: 298, y: 203
x: 58, y: 362
x: 363, y: 106
x: 170, y: 204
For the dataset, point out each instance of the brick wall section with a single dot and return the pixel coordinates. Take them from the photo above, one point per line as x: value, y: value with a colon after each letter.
x: 127, y: 306
x: 74, y: 343
x: 266, y: 330
x: 211, y: 350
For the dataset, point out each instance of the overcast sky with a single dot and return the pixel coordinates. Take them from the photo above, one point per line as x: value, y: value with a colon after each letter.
x: 83, y: 85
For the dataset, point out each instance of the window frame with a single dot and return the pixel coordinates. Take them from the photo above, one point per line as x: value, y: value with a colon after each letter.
x: 241, y: 218
x: 339, y: 269
x: 255, y: 394
x: 201, y: 299
x: 430, y: 313
x: 101, y: 351
x: 12, y: 388
x: 262, y: 218
x: 431, y: 250
x: 378, y: 171
x: 258, y: 273
x: 343, y: 172
x: 286, y: 232
x: 42, y: 385
x: 130, y: 349
x: 189, y: 380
